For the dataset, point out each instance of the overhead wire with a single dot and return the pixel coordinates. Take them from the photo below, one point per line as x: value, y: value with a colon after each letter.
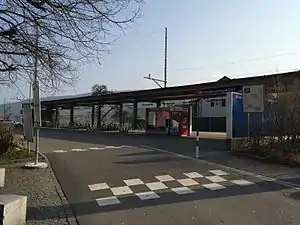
x: 241, y: 61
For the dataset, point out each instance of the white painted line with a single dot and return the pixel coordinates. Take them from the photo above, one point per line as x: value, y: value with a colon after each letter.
x: 111, y: 147
x: 219, y: 172
x: 97, y: 187
x: 78, y: 150
x: 182, y: 190
x: 187, y: 182
x: 107, y: 201
x: 133, y: 182
x: 216, y: 179
x: 124, y: 190
x: 147, y: 195
x: 96, y: 148
x: 241, y: 182
x: 213, y: 186
x: 156, y: 186
x: 193, y: 175
x: 261, y: 177
x: 164, y: 178
x: 59, y: 151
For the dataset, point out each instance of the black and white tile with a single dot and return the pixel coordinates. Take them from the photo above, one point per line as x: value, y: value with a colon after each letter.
x: 212, y: 180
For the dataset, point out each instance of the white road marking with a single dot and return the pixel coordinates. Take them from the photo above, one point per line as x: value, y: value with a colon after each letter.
x: 218, y: 172
x: 107, y: 201
x: 187, y: 182
x: 99, y: 186
x: 78, y: 150
x: 91, y: 148
x: 241, y: 182
x: 164, y: 178
x: 193, y: 175
x: 216, y: 179
x: 147, y: 195
x: 96, y: 148
x: 182, y: 190
x: 156, y: 186
x: 213, y: 186
x: 133, y: 182
x: 124, y: 190
x: 59, y: 151
x: 261, y: 177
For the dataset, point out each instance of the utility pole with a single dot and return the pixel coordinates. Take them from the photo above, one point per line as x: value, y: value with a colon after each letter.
x: 30, y: 106
x: 166, y: 57
x: 36, y: 105
x: 36, y: 99
x: 164, y: 81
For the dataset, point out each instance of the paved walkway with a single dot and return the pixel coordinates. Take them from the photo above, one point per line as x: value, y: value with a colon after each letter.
x: 46, y: 202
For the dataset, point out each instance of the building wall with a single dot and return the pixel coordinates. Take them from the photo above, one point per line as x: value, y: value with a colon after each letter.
x: 210, y: 114
x: 13, y: 110
x: 212, y: 107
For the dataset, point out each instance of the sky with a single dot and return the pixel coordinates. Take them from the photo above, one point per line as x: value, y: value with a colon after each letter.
x: 207, y: 39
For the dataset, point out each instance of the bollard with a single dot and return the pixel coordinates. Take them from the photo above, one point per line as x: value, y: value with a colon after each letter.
x: 197, y: 145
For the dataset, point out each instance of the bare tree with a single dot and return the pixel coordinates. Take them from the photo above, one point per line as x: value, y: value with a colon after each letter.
x: 98, y: 89
x: 59, y: 33
x: 277, y: 136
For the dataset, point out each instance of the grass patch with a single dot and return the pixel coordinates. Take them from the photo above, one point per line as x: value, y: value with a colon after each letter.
x: 16, y: 155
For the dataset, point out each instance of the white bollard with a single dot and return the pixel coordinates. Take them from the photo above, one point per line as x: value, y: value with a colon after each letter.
x: 197, y: 145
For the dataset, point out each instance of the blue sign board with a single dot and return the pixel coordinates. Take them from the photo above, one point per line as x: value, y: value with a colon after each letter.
x: 239, y: 118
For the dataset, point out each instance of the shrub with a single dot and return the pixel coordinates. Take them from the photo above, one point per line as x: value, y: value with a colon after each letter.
x: 278, y: 137
x: 6, y: 138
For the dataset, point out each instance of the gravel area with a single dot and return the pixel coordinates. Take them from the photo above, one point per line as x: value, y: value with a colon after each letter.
x: 46, y: 202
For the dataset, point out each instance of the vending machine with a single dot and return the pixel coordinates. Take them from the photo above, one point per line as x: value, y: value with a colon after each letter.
x: 172, y: 121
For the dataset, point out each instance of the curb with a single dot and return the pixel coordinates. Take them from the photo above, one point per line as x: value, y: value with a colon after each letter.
x: 69, y: 213
x: 266, y: 160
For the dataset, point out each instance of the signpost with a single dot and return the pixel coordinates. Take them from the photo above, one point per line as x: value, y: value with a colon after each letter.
x: 37, y: 116
x: 253, y: 98
x: 27, y: 125
x: 253, y: 101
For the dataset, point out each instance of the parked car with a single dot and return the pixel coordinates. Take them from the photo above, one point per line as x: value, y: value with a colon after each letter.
x: 12, y: 122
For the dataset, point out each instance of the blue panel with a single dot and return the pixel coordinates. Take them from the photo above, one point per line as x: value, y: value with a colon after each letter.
x: 239, y: 118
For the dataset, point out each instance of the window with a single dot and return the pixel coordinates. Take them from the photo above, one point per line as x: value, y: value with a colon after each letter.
x: 212, y: 103
x: 223, y: 102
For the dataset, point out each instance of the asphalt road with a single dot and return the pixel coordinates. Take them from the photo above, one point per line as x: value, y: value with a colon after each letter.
x: 124, y: 179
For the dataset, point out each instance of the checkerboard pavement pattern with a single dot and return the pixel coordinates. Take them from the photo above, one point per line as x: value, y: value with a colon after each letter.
x: 188, y: 184
x: 99, y: 148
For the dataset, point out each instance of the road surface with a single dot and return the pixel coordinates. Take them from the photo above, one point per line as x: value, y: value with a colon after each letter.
x: 112, y: 179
